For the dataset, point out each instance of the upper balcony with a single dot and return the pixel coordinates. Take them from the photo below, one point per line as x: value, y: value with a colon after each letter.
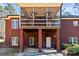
x: 46, y: 16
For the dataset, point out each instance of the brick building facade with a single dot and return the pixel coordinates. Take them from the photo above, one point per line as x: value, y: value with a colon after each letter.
x: 40, y: 27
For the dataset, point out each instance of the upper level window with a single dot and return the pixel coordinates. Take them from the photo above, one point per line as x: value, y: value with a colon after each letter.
x: 75, y: 23
x: 15, y: 24
x: 73, y: 40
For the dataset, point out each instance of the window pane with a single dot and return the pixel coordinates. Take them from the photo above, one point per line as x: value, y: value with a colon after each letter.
x: 75, y: 23
x: 15, y: 24
x: 73, y: 40
x: 14, y: 41
x: 70, y: 40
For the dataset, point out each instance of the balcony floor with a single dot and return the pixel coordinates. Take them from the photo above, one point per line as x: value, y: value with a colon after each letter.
x: 42, y: 27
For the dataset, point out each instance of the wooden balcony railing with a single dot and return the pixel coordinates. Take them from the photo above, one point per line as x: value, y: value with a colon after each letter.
x: 40, y: 22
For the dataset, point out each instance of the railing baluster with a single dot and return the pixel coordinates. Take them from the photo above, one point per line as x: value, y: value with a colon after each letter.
x: 40, y: 22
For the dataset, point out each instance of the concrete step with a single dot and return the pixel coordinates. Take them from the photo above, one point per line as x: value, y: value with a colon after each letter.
x: 34, y: 52
x: 30, y: 50
x: 49, y: 51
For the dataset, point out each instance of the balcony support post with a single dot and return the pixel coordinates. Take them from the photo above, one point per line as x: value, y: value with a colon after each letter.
x: 40, y: 40
x: 46, y: 16
x: 58, y: 40
x: 33, y: 16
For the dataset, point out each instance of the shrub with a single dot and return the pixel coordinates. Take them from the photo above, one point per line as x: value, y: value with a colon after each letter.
x: 64, y: 46
x: 1, y: 37
x: 73, y: 50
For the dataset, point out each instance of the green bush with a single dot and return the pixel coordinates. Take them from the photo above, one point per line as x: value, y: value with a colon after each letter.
x: 64, y: 46
x: 1, y: 37
x: 73, y: 50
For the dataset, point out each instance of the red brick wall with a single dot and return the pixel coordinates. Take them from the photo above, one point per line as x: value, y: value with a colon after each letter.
x: 30, y: 33
x: 34, y: 32
x: 49, y: 33
x: 10, y: 32
x: 27, y: 33
x: 68, y: 30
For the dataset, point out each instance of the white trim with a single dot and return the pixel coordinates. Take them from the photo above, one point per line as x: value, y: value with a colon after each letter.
x: 14, y: 41
x: 69, y: 18
x: 73, y: 39
x: 75, y: 23
x: 76, y: 40
x: 15, y: 24
x: 48, y: 42
x: 31, y: 44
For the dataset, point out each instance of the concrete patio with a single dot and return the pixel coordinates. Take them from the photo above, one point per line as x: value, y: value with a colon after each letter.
x: 34, y: 52
x: 5, y: 51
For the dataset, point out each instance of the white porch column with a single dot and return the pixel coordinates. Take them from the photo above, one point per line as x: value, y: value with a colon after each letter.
x: 46, y: 17
x: 33, y: 16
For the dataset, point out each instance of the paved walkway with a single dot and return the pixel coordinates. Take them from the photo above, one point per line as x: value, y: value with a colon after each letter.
x: 8, y: 51
x: 34, y: 52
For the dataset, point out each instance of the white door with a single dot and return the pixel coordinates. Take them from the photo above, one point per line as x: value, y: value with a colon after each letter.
x: 48, y: 42
x: 31, y: 41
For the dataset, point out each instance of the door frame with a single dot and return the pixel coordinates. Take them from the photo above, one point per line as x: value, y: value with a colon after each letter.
x: 33, y: 42
x: 48, y: 43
